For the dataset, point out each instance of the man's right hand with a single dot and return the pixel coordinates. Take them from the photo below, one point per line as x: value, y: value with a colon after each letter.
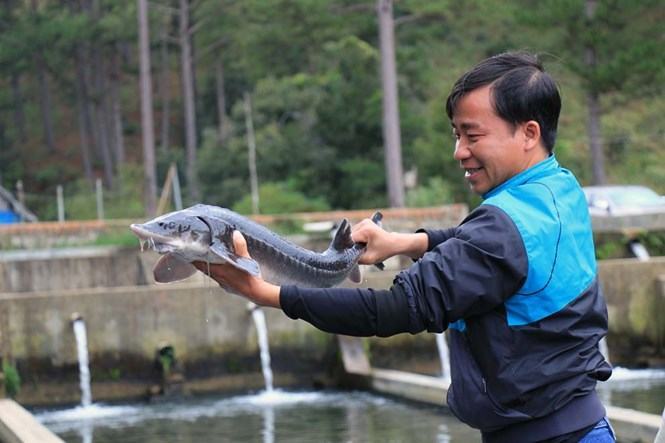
x: 382, y: 244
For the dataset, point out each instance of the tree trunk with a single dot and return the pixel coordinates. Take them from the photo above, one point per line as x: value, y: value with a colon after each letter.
x: 44, y: 94
x: 188, y: 98
x: 116, y: 111
x: 84, y: 122
x: 164, y: 89
x: 101, y: 114
x: 251, y: 157
x: 84, y: 77
x: 19, y: 114
x: 147, y: 120
x: 391, y: 129
x: 593, y: 106
x: 221, y: 97
x: 45, y: 105
x: 595, y: 140
x: 97, y: 90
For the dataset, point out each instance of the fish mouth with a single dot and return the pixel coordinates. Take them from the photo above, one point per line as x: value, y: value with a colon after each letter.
x: 144, y: 234
x: 157, y: 242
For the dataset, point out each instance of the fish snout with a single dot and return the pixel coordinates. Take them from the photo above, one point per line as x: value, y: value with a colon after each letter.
x: 140, y: 231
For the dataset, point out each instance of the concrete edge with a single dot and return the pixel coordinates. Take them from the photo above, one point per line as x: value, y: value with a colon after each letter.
x: 629, y: 425
x: 17, y: 425
x: 416, y: 387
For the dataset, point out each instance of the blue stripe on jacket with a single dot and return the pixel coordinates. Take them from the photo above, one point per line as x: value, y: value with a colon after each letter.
x: 561, y: 265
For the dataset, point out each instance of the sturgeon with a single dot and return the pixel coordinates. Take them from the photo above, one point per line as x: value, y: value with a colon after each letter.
x: 205, y: 233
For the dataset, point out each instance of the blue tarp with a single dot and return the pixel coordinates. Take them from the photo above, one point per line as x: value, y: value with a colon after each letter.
x: 7, y: 217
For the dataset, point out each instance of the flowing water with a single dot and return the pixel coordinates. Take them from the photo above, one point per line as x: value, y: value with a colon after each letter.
x: 275, y: 415
x: 262, y: 332
x: 444, y: 355
x: 267, y: 417
x: 82, y: 352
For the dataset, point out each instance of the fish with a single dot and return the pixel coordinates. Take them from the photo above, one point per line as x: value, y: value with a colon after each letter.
x: 205, y: 233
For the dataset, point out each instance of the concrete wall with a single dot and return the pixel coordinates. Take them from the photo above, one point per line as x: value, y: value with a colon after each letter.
x: 212, y: 333
x: 71, y: 268
x: 635, y: 295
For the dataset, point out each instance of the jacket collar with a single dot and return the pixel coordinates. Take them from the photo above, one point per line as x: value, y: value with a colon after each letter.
x: 540, y: 169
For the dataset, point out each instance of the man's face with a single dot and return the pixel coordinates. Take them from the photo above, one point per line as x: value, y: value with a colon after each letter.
x: 489, y: 149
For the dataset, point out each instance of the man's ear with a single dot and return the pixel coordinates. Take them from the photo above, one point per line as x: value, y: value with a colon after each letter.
x: 531, y: 131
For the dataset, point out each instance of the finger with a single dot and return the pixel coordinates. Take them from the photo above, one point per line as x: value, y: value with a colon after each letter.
x: 240, y: 244
x: 360, y: 236
x: 361, y: 224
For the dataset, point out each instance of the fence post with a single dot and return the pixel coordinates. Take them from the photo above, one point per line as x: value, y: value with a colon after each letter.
x: 177, y: 196
x: 100, y: 199
x: 20, y: 195
x: 61, y: 204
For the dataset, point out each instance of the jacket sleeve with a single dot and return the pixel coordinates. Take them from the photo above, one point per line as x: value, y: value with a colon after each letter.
x: 348, y: 311
x: 468, y: 274
x: 480, y: 264
x: 437, y: 236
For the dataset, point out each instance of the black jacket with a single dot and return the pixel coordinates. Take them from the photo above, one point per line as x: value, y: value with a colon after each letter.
x: 516, y: 285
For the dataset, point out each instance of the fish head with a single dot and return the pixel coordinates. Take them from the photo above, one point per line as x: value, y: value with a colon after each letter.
x: 175, y: 231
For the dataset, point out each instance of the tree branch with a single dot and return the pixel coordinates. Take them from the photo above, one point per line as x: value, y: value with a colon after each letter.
x: 418, y: 17
x: 164, y: 8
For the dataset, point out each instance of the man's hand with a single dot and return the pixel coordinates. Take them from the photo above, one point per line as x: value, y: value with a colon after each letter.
x: 254, y: 288
x: 382, y: 244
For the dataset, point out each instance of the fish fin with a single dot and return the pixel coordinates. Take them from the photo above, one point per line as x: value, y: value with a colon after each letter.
x: 377, y: 218
x: 356, y: 275
x: 248, y: 265
x: 342, y: 239
x: 170, y: 268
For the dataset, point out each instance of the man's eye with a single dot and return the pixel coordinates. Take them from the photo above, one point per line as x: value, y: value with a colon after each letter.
x: 473, y: 137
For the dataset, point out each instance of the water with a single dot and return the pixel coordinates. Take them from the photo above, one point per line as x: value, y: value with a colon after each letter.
x: 444, y: 355
x: 604, y: 349
x: 275, y: 415
x: 84, y: 370
x: 639, y: 389
x: 262, y: 332
x: 265, y: 417
x: 639, y: 251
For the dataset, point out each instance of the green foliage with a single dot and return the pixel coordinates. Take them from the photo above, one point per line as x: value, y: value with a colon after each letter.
x: 609, y: 246
x: 114, y: 374
x: 166, y: 360
x: 610, y: 249
x: 123, y: 202
x: 435, y: 193
x: 12, y: 379
x: 277, y: 198
x: 654, y: 242
x: 123, y: 238
x: 312, y: 68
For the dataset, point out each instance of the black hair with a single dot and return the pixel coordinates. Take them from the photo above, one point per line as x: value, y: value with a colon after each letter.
x: 521, y: 91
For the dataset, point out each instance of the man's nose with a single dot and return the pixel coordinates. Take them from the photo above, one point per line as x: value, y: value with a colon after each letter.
x: 461, y: 151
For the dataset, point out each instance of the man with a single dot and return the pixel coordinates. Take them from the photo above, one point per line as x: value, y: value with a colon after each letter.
x: 515, y: 282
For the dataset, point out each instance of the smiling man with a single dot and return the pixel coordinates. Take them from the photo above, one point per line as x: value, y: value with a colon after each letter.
x: 515, y: 282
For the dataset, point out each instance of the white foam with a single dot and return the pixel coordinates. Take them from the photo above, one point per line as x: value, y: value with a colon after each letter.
x: 624, y: 374
x: 90, y: 412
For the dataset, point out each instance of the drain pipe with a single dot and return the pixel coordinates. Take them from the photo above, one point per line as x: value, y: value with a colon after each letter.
x: 639, y: 250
